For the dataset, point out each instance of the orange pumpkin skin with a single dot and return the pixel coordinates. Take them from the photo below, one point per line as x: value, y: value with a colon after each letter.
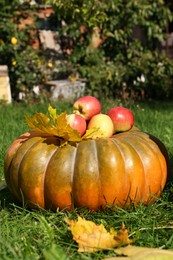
x: 127, y: 168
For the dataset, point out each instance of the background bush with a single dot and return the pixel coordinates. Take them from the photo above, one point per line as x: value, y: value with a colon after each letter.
x: 27, y: 65
x: 114, y: 45
x: 122, y: 65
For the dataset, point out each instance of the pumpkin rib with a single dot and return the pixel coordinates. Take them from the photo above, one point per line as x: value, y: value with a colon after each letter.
x: 58, y: 181
x: 155, y: 179
x: 103, y: 199
x: 45, y: 172
x: 73, y: 163
x: 14, y: 170
x: 143, y: 166
x: 31, y: 171
x: 86, y: 188
x: 72, y: 173
x: 16, y: 144
x: 116, y: 142
x: 107, y: 175
x: 98, y: 169
x: 12, y: 150
x: 133, y: 163
x: 125, y: 197
x: 162, y: 156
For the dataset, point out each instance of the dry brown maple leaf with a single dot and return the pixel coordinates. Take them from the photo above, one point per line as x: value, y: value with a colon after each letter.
x: 91, y: 237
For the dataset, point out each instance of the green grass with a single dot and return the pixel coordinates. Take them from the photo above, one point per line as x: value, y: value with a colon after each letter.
x: 26, y: 234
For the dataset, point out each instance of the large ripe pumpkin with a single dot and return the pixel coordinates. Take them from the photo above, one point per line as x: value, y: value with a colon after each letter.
x: 130, y: 167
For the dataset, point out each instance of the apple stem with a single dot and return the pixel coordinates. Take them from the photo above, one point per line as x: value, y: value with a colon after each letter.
x: 78, y: 111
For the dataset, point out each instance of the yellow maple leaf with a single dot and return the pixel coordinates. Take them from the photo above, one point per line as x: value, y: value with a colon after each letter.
x: 91, y: 237
x: 56, y: 125
x: 53, y: 124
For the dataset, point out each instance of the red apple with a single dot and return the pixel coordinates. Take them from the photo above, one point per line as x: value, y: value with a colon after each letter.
x: 104, y: 124
x: 77, y: 122
x: 87, y: 106
x: 122, y: 118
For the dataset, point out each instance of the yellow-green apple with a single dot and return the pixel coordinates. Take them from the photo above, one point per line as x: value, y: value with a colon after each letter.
x: 87, y: 106
x: 77, y: 122
x: 103, y: 123
x: 122, y: 118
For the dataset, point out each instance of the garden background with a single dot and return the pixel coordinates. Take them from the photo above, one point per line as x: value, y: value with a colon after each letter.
x: 121, y: 50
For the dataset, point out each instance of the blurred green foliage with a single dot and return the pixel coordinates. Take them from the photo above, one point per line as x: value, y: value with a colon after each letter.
x: 26, y: 64
x: 123, y: 64
x: 114, y: 45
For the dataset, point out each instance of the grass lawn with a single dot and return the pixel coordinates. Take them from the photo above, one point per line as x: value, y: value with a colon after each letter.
x: 26, y: 234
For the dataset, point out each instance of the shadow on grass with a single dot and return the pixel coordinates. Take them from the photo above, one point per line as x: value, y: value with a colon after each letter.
x: 6, y: 199
x: 170, y: 175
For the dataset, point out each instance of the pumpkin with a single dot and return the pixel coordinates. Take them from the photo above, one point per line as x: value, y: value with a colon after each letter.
x: 130, y: 167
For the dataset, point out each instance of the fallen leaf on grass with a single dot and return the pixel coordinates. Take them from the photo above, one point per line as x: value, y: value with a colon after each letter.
x: 142, y: 253
x: 91, y: 237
